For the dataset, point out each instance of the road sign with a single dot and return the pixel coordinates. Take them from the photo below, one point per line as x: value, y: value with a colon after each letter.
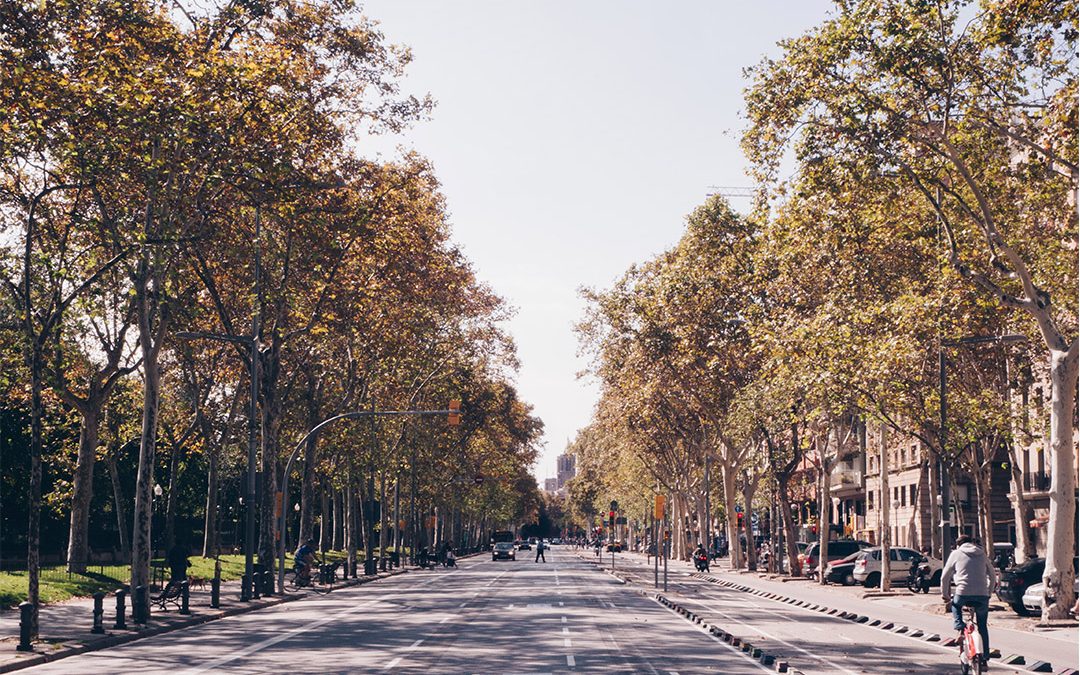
x: 658, y: 507
x: 621, y: 520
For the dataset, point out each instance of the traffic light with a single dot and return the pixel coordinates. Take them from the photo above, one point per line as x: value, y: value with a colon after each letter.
x: 454, y: 417
x: 738, y: 519
x: 611, y: 518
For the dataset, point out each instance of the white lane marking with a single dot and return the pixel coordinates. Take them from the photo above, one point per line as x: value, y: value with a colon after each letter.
x: 560, y: 603
x: 673, y: 672
x: 416, y: 644
x: 566, y: 642
x: 566, y: 631
x: 780, y: 640
x: 463, y: 604
x: 445, y: 619
x: 392, y: 663
x: 570, y: 660
x: 564, y: 619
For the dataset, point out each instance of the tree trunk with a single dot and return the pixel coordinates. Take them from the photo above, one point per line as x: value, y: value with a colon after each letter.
x: 883, y: 485
x: 788, y: 519
x: 122, y: 523
x: 351, y: 520
x: 33, y: 530
x: 170, y: 500
x: 83, y: 489
x: 382, y: 520
x: 141, y: 542
x: 823, y: 519
x: 326, y: 538
x: 1025, y: 547
x: 269, y: 370
x: 749, y: 488
x: 339, y: 522
x: 727, y: 475
x: 311, y: 458
x: 210, y: 529
x: 1058, y: 576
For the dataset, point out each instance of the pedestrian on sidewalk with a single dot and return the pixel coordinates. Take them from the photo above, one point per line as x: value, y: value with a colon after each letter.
x: 540, y: 551
x: 975, y: 580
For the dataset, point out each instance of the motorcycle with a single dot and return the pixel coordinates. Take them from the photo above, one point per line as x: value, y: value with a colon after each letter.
x: 919, y: 576
x: 701, y: 562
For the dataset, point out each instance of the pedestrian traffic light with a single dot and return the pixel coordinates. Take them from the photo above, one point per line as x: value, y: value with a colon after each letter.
x: 454, y: 417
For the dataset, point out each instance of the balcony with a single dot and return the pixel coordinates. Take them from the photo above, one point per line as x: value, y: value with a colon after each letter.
x: 1038, y: 481
x: 845, y: 480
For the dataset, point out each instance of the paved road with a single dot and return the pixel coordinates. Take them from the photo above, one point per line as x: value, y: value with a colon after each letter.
x: 519, y: 616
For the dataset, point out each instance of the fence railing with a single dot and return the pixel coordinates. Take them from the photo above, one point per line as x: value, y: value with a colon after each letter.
x: 1038, y: 481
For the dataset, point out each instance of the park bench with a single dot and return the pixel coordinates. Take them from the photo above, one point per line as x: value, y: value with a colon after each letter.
x: 171, y: 594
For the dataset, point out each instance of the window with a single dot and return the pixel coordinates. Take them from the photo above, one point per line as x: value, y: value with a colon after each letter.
x: 896, y: 494
x: 870, y: 500
x: 911, y: 491
x: 903, y: 496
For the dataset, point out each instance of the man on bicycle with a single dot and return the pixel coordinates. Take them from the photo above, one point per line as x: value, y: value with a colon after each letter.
x: 975, y: 578
x: 304, y: 559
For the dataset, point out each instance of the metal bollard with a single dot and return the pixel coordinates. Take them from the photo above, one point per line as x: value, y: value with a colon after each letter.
x: 215, y: 589
x: 26, y: 617
x: 245, y: 588
x: 185, y: 597
x: 99, y: 612
x: 268, y: 583
x: 256, y: 584
x: 138, y: 606
x: 121, y: 609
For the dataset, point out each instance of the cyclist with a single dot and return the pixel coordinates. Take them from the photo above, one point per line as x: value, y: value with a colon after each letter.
x: 975, y: 580
x: 304, y: 558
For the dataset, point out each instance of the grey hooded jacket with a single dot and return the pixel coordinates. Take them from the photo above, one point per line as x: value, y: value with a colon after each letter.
x: 972, y: 571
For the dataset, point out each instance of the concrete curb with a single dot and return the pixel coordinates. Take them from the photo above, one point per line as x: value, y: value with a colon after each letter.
x: 113, y: 640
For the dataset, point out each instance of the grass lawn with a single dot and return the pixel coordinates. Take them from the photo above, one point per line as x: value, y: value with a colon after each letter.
x: 57, y: 585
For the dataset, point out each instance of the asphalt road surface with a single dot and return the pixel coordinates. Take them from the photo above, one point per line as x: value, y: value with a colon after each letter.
x: 508, y: 616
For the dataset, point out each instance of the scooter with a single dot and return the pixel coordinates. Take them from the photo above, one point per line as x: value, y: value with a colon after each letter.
x: 701, y: 562
x: 919, y: 576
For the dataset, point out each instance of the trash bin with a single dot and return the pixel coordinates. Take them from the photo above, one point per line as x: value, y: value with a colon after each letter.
x: 395, y: 559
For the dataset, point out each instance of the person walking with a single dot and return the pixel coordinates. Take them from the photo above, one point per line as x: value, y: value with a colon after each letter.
x: 540, y: 551
x: 975, y: 580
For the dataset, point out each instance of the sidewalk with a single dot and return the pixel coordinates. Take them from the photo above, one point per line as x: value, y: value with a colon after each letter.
x: 64, y: 628
x: 1056, y: 646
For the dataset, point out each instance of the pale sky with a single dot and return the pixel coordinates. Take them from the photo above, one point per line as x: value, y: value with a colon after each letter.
x: 571, y: 139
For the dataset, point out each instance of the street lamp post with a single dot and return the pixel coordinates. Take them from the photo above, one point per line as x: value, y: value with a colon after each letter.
x: 943, y: 466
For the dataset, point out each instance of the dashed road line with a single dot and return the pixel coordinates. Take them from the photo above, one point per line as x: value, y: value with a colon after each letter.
x: 570, y: 660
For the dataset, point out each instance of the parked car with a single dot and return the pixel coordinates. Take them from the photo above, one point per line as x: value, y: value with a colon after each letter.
x: 504, y: 550
x: 842, y: 571
x: 838, y: 550
x: 868, y: 566
x: 1016, y: 580
x: 524, y: 546
x: 1032, y: 600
